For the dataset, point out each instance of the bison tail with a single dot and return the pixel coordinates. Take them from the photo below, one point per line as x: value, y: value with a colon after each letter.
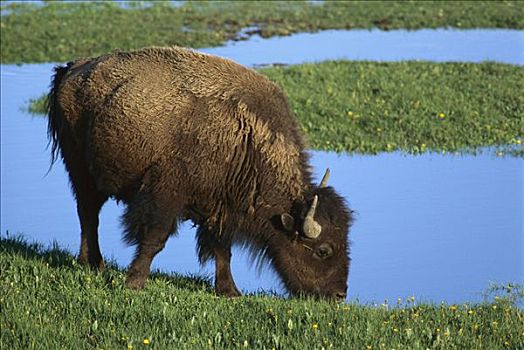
x: 55, y: 117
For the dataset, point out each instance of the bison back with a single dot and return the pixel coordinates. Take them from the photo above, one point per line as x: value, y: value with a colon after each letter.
x: 189, y: 115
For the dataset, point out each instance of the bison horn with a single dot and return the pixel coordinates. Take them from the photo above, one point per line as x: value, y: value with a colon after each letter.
x: 312, y: 228
x: 325, y: 178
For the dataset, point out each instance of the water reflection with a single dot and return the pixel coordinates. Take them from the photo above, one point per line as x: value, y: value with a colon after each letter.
x: 437, y: 227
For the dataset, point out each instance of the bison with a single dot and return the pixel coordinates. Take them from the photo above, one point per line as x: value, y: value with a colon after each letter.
x: 180, y: 135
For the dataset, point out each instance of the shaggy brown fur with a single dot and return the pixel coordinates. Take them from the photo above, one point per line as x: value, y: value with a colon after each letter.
x: 178, y: 135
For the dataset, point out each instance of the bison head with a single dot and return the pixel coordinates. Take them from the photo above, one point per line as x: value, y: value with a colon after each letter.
x: 312, y: 256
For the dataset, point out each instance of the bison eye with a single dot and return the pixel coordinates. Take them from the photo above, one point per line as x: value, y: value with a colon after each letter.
x: 324, y: 250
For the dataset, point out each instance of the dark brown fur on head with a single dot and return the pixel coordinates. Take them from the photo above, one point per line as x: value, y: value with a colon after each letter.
x: 179, y: 135
x: 315, y: 266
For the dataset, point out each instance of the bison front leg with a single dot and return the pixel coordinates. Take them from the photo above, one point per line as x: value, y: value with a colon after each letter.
x: 210, y: 247
x: 224, y: 283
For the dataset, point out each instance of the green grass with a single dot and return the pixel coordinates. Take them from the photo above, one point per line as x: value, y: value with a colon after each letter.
x: 370, y: 107
x: 50, y: 302
x: 36, y: 105
x: 414, y: 107
x: 61, y: 32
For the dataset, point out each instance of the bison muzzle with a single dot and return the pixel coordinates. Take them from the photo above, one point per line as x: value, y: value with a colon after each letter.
x: 180, y: 135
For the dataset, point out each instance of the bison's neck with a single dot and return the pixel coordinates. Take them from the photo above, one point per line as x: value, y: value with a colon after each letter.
x: 246, y: 206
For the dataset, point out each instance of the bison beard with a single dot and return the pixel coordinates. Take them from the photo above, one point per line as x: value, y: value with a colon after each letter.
x: 179, y: 135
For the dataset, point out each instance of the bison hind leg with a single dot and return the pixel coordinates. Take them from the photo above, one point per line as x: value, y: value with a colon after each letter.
x: 88, y: 210
x: 151, y: 243
x: 89, y: 201
x: 148, y: 224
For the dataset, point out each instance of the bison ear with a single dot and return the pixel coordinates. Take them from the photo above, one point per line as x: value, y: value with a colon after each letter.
x: 288, y: 222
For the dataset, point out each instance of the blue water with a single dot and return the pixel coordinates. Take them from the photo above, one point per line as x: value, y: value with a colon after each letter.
x: 437, y: 45
x: 440, y: 228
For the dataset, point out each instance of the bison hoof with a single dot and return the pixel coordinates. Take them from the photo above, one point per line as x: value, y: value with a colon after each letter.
x: 135, y: 282
x: 97, y: 264
x: 100, y: 266
x: 229, y: 292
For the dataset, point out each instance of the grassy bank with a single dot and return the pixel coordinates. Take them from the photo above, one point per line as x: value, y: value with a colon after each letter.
x: 49, y: 302
x: 370, y: 107
x: 62, y: 31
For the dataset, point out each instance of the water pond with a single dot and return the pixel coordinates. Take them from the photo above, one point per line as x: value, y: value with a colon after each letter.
x: 438, y: 227
x: 437, y: 45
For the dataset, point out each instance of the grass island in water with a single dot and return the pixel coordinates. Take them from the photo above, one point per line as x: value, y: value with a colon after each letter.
x: 58, y: 32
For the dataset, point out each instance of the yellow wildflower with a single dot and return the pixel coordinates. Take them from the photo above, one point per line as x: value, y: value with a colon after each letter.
x: 146, y: 341
x: 471, y: 312
x: 350, y: 114
x: 453, y: 307
x: 315, y: 325
x: 441, y: 115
